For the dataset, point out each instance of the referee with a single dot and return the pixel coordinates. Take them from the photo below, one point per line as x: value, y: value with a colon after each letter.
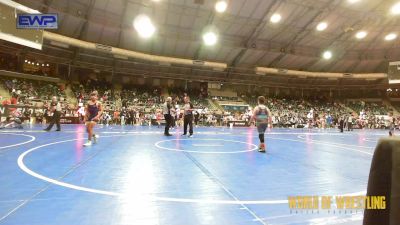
x: 55, y: 108
x: 188, y: 117
x: 167, y: 115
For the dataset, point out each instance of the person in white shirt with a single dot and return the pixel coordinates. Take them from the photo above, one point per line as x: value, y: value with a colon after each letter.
x: 392, y: 124
x: 349, y: 122
x: 310, y: 117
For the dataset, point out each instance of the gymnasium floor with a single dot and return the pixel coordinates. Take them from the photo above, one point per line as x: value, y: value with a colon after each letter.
x: 134, y: 175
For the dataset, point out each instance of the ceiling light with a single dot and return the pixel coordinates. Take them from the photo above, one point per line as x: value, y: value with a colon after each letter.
x: 353, y: 1
x: 390, y: 36
x: 37, y: 64
x: 361, y: 34
x: 144, y: 26
x: 327, y: 55
x: 322, y: 26
x: 276, y: 18
x: 26, y: 60
x: 221, y: 6
x: 47, y: 65
x: 210, y: 38
x: 395, y: 9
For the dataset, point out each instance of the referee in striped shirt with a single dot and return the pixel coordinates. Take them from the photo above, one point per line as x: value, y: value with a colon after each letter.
x: 167, y: 115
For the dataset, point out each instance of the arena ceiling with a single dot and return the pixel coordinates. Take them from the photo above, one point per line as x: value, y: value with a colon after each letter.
x: 247, y: 38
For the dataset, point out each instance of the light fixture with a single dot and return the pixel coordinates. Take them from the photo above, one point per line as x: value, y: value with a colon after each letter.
x: 42, y: 64
x: 210, y: 38
x: 327, y: 55
x: 395, y: 9
x: 361, y: 34
x: 390, y: 37
x: 37, y: 64
x: 353, y: 1
x: 47, y: 64
x: 144, y: 26
x: 221, y: 6
x: 26, y: 60
x: 322, y: 26
x: 275, y: 18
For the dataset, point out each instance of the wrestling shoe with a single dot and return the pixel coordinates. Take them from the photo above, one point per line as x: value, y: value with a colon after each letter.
x: 261, y: 148
x: 95, y: 137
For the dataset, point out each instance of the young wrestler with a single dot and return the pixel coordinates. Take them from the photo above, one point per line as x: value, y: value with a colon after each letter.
x: 262, y: 116
x: 92, y: 116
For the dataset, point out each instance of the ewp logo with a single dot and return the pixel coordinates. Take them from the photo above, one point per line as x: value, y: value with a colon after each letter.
x: 37, y: 21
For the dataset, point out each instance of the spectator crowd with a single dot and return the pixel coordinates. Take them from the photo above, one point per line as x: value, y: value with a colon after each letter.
x: 141, y: 105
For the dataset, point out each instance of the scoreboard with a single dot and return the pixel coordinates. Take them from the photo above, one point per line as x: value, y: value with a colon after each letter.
x: 394, y: 72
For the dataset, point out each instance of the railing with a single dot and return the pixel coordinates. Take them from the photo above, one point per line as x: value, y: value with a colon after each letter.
x: 29, y: 76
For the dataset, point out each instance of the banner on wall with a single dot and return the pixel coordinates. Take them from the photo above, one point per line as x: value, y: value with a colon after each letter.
x: 7, y: 111
x: 238, y: 123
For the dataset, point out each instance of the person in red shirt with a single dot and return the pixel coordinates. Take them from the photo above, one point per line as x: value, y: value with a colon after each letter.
x: 14, y: 99
x: 6, y: 102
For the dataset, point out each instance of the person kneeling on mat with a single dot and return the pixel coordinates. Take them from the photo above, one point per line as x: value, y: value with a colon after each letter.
x: 262, y: 116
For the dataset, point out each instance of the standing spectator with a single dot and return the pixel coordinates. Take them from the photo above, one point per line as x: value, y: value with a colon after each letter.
x: 116, y: 117
x: 350, y: 122
x: 392, y: 124
x: 341, y: 124
x: 196, y: 117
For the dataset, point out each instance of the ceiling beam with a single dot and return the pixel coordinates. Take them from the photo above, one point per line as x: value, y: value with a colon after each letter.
x: 344, y: 32
x: 46, y: 7
x: 210, y: 21
x: 301, y: 35
x: 83, y: 29
x: 254, y: 34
